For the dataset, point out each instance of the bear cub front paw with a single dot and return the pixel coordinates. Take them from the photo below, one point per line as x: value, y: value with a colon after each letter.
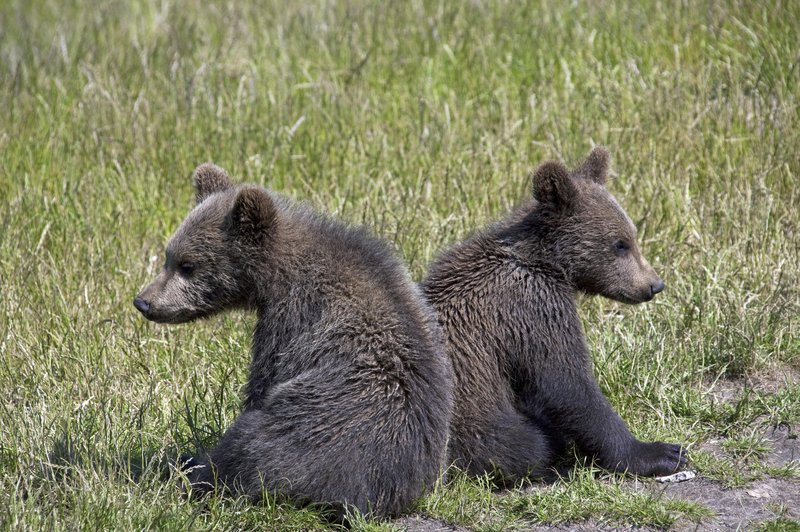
x: 653, y: 459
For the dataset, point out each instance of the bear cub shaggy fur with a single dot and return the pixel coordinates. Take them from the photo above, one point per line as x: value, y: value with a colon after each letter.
x: 524, y: 387
x: 349, y: 395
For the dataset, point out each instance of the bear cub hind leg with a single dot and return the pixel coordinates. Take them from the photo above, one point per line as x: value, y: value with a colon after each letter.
x: 506, y: 443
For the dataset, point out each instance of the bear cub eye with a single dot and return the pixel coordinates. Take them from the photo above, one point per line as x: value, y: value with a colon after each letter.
x: 186, y: 268
x: 621, y: 248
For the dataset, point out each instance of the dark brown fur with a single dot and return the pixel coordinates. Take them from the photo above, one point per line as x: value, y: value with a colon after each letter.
x: 349, y: 396
x: 506, y: 299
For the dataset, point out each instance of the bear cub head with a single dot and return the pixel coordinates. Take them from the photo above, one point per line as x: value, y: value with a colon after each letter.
x: 209, y: 257
x: 589, y: 234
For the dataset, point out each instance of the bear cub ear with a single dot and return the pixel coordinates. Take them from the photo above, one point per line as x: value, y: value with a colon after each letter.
x: 253, y: 214
x: 552, y: 185
x: 595, y: 167
x: 209, y: 178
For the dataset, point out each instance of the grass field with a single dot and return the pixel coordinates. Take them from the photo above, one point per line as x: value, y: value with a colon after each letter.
x: 422, y: 120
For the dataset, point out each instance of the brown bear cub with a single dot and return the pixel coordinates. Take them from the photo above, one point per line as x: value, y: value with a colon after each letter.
x: 349, y: 396
x: 524, y: 387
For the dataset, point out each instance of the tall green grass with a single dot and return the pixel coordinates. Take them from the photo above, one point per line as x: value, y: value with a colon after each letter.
x: 422, y: 120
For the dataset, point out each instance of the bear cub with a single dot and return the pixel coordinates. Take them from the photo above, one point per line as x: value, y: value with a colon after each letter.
x: 349, y: 394
x: 505, y: 297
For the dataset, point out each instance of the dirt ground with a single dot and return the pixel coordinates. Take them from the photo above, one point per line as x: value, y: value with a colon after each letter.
x: 735, y: 508
x: 741, y: 508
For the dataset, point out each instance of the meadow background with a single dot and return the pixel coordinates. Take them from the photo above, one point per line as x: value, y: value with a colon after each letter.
x: 423, y: 120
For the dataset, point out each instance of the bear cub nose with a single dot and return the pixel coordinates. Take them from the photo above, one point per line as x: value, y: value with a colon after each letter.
x: 141, y: 305
x: 656, y: 287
